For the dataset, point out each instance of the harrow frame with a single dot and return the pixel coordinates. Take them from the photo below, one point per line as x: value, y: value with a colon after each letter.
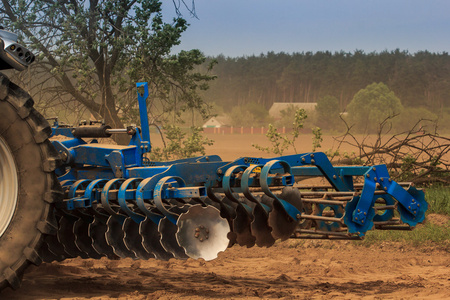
x: 119, y: 185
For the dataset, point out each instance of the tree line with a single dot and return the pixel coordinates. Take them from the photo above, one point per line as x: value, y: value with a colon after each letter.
x: 421, y: 79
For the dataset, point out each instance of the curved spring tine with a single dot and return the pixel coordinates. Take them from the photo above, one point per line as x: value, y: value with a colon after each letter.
x: 244, y: 217
x: 287, y: 207
x: 122, y: 198
x: 283, y: 225
x: 78, y: 185
x: 105, y: 199
x: 260, y: 224
x: 158, y: 196
x: 144, y: 200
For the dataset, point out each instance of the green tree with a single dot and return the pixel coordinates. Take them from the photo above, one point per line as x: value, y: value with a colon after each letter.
x: 179, y: 145
x: 327, y: 113
x: 250, y: 114
x: 95, y: 51
x: 411, y: 116
x: 280, y: 143
x: 371, y: 106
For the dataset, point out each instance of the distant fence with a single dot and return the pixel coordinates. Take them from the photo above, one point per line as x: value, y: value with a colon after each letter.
x: 242, y: 130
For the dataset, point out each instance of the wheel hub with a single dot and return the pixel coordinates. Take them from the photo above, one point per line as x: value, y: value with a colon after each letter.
x: 9, y: 186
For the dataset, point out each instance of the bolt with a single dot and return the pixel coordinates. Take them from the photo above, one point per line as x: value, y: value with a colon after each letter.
x: 142, y: 147
x: 334, y: 176
x: 202, y: 227
x: 374, y: 168
x: 409, y: 207
x: 418, y: 205
x: 362, y: 221
x: 206, y: 236
x: 298, y: 216
x: 385, y: 188
x: 365, y: 214
x: 382, y: 179
x: 359, y: 210
x: 375, y: 179
x: 207, y: 230
x: 64, y: 155
x: 197, y: 229
x: 356, y: 218
x: 368, y: 175
x: 303, y: 159
x: 201, y: 239
x: 390, y: 180
x: 219, y: 171
x: 197, y: 235
x: 312, y: 155
x: 313, y: 161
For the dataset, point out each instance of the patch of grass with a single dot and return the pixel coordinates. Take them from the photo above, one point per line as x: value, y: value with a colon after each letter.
x: 438, y: 198
x: 422, y: 234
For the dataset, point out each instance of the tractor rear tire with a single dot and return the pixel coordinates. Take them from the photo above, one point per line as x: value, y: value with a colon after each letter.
x: 28, y: 186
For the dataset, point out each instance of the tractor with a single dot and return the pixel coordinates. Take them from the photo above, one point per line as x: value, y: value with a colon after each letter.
x: 65, y: 195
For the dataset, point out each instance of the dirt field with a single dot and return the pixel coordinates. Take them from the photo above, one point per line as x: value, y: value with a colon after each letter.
x: 289, y: 270
x: 294, y: 269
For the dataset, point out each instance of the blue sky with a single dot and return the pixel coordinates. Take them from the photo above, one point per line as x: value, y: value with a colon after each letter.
x: 247, y: 27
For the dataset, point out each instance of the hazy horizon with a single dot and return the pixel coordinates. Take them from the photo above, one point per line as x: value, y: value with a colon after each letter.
x: 253, y: 27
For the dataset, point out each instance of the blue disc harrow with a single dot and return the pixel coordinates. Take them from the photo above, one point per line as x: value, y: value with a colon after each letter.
x: 117, y: 203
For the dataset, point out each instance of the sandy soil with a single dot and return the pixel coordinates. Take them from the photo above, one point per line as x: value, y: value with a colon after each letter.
x: 290, y: 270
x: 294, y: 269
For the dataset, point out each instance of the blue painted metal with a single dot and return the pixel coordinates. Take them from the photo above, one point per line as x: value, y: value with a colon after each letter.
x: 142, y: 99
x: 412, y: 204
x: 292, y: 211
x: 97, y: 173
x: 387, y: 214
x: 127, y: 191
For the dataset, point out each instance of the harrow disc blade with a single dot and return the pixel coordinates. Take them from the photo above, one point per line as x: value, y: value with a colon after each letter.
x: 282, y: 224
x: 56, y: 248
x: 133, y: 240
x: 242, y: 227
x: 48, y: 256
x: 114, y: 237
x: 82, y: 239
x: 67, y: 238
x: 97, y: 230
x: 168, y: 240
x: 228, y: 212
x: 202, y: 232
x: 151, y: 240
x: 260, y: 227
